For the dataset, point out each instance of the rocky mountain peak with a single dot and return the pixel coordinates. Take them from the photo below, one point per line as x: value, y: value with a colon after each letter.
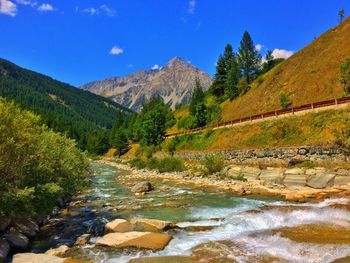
x: 174, y: 83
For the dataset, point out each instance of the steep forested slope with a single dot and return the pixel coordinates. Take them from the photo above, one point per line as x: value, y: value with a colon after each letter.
x: 63, y: 107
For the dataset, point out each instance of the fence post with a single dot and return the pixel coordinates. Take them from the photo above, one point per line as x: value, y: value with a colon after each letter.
x: 312, y: 105
x: 336, y: 102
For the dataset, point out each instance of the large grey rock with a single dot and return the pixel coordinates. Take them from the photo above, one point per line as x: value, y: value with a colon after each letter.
x: 16, y: 239
x: 27, y: 227
x: 320, y: 181
x: 4, y: 250
x: 271, y: 176
x: 142, y: 187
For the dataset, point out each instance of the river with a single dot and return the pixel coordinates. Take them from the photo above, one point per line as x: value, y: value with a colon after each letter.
x: 242, y: 229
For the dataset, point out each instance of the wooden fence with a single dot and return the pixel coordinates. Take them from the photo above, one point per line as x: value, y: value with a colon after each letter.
x: 276, y: 113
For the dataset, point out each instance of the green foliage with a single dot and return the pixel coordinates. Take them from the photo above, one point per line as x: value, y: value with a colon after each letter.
x: 270, y: 62
x: 233, y: 76
x: 213, y: 163
x: 345, y: 75
x: 248, y: 58
x: 170, y: 164
x: 154, y: 118
x: 186, y: 123
x: 137, y: 163
x: 341, y: 15
x: 170, y: 145
x: 97, y: 142
x: 62, y: 107
x: 285, y: 101
x: 306, y: 164
x: 119, y: 141
x: 152, y: 163
x: 37, y: 165
x: 197, y: 108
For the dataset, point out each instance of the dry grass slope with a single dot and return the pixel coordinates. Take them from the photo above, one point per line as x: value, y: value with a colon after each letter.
x: 312, y: 74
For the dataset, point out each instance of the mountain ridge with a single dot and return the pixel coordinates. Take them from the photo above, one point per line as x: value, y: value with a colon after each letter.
x: 174, y: 83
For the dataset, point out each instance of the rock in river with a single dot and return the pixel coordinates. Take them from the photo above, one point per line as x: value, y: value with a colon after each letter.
x: 27, y: 227
x: 142, y: 187
x: 16, y: 239
x: 36, y: 258
x: 151, y: 225
x: 4, y: 250
x: 146, y: 240
x: 118, y: 225
x: 59, y: 252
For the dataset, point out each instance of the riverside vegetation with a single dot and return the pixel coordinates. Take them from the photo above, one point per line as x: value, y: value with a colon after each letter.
x: 37, y: 165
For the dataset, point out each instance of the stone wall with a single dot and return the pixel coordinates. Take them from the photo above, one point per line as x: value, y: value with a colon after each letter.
x: 279, y: 156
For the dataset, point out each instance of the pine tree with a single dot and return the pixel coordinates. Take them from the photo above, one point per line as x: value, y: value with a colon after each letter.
x: 222, y: 68
x: 248, y: 58
x: 341, y: 15
x: 120, y: 142
x: 233, y: 76
x: 197, y: 106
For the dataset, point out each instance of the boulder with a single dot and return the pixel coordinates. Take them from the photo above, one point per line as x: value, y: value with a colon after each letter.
x: 151, y: 225
x: 16, y: 239
x: 83, y: 240
x: 341, y: 180
x: 4, y: 224
x: 58, y: 252
x: 142, y: 187
x: 321, y: 180
x: 271, y: 176
x: 36, y: 258
x: 251, y: 173
x: 27, y: 227
x: 295, y: 180
x: 145, y: 240
x: 4, y: 250
x: 118, y: 225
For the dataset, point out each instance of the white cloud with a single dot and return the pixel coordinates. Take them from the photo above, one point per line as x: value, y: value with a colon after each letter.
x: 116, y: 51
x: 27, y: 2
x: 91, y: 11
x: 107, y: 10
x: 8, y: 8
x: 155, y: 67
x: 103, y: 9
x: 259, y: 47
x: 45, y: 8
x: 282, y: 53
x: 191, y: 6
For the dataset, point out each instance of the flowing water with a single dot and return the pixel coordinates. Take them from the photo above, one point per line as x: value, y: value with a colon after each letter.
x: 243, y: 229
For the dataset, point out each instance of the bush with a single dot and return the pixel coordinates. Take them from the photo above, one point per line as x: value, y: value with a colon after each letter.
x: 345, y: 76
x: 170, y: 164
x: 285, y: 101
x: 37, y: 165
x: 152, y: 163
x: 137, y: 163
x: 213, y: 163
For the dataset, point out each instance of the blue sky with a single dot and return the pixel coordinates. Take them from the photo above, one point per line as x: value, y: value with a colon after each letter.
x: 77, y: 41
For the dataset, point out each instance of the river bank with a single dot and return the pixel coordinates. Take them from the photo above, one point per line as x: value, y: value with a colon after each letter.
x: 294, y: 184
x: 180, y: 221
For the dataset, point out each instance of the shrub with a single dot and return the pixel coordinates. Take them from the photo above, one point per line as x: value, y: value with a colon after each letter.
x: 152, y: 163
x: 137, y: 163
x: 170, y: 164
x: 37, y: 165
x: 240, y: 177
x: 285, y: 101
x: 345, y: 75
x: 213, y: 163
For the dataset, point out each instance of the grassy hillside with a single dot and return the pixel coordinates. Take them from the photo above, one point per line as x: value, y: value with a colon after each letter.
x: 312, y: 74
x: 322, y: 128
x: 63, y: 107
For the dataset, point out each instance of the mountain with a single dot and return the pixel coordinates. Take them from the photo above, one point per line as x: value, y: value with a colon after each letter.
x: 62, y: 107
x: 310, y: 75
x: 174, y: 83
